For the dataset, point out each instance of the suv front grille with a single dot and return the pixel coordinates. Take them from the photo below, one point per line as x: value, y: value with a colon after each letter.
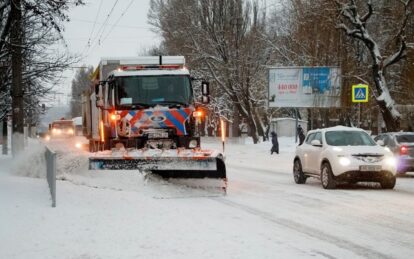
x: 369, y: 159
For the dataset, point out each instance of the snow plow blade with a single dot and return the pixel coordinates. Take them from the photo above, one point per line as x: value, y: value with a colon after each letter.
x: 167, y: 166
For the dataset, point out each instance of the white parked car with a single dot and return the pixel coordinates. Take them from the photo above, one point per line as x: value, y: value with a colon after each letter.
x: 343, y: 154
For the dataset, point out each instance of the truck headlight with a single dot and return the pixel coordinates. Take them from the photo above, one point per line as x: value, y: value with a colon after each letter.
x: 192, y: 144
x: 344, y: 161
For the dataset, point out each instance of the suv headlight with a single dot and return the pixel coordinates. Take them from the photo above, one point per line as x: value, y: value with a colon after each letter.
x: 391, y: 161
x: 344, y: 161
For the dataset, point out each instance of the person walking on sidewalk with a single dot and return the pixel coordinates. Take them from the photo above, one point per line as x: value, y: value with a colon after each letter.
x: 301, y: 134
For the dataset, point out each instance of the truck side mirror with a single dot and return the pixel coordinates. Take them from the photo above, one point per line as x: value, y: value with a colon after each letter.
x: 97, y: 89
x: 99, y: 95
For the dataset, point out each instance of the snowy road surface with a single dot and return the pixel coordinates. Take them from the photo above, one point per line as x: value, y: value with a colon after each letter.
x: 123, y: 214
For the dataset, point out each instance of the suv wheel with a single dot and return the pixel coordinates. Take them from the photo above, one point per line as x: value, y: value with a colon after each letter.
x: 327, y: 178
x: 388, y: 183
x: 298, y: 174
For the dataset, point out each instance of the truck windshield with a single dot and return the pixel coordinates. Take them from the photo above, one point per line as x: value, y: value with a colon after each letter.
x: 174, y: 90
x: 63, y: 125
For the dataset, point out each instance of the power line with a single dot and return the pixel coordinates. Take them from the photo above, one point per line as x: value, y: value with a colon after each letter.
x: 106, y: 21
x: 117, y: 21
x: 101, y: 29
x: 110, y: 24
x: 94, y: 23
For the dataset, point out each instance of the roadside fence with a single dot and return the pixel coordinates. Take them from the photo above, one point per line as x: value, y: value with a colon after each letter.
x: 51, y: 173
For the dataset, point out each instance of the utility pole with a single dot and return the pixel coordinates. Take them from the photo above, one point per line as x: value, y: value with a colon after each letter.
x: 16, y: 39
x: 3, y: 70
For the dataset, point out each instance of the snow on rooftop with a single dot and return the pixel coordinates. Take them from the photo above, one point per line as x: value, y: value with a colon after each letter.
x: 150, y: 72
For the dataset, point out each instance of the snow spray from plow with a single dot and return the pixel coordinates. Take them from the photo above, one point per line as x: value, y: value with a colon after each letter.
x: 187, y: 165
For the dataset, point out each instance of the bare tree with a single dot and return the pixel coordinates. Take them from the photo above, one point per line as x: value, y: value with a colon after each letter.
x: 353, y: 21
x: 40, y: 64
x: 80, y: 83
x: 222, y: 41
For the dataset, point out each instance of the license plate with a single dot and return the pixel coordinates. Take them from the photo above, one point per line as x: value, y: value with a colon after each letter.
x: 365, y: 168
x: 158, y: 135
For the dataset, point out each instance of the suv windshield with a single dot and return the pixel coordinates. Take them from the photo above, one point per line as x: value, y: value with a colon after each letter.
x: 405, y: 138
x: 174, y: 90
x: 348, y: 138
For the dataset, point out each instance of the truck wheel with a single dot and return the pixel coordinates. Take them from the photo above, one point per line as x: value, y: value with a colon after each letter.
x: 298, y: 174
x: 327, y: 178
x: 92, y: 146
x: 388, y: 183
x: 106, y: 145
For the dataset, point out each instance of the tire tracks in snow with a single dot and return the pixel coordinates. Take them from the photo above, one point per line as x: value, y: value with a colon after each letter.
x: 304, y: 229
x: 345, y: 197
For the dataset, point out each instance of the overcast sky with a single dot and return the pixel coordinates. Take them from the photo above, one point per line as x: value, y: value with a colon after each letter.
x: 94, y: 32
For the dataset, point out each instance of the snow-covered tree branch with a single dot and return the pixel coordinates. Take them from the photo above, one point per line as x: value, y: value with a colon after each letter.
x: 355, y: 26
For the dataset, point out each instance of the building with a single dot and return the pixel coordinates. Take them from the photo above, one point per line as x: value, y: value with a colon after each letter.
x: 286, y: 127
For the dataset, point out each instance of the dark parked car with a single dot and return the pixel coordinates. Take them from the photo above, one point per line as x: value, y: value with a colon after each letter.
x: 402, y: 145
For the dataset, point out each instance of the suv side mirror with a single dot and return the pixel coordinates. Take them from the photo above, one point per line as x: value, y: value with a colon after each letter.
x: 316, y: 143
x: 380, y: 142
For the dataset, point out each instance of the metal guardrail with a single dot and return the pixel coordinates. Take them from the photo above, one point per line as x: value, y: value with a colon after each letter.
x: 51, y: 173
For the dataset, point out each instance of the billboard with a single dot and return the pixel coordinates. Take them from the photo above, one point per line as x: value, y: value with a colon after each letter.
x: 304, y: 87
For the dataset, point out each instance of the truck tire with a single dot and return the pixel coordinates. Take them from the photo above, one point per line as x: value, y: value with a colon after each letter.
x: 91, y: 146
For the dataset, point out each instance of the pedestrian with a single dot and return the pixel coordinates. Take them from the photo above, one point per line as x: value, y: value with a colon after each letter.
x: 275, y: 143
x: 301, y: 134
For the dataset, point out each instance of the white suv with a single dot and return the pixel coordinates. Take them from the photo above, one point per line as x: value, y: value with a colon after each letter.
x: 343, y: 154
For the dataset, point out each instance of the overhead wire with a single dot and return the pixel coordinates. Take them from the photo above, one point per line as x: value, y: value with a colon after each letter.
x: 101, y: 30
x: 110, y: 24
x: 88, y: 43
x: 94, y: 23
x: 117, y: 21
x: 106, y: 20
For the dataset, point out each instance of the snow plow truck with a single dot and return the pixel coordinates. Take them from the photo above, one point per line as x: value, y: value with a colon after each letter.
x: 141, y: 114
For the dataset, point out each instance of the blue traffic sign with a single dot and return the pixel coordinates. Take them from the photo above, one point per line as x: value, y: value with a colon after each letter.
x: 360, y: 93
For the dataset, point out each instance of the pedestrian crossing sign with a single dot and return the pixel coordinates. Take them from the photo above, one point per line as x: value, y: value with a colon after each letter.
x: 360, y: 93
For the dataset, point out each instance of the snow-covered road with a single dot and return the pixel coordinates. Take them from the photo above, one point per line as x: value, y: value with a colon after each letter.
x: 264, y: 214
